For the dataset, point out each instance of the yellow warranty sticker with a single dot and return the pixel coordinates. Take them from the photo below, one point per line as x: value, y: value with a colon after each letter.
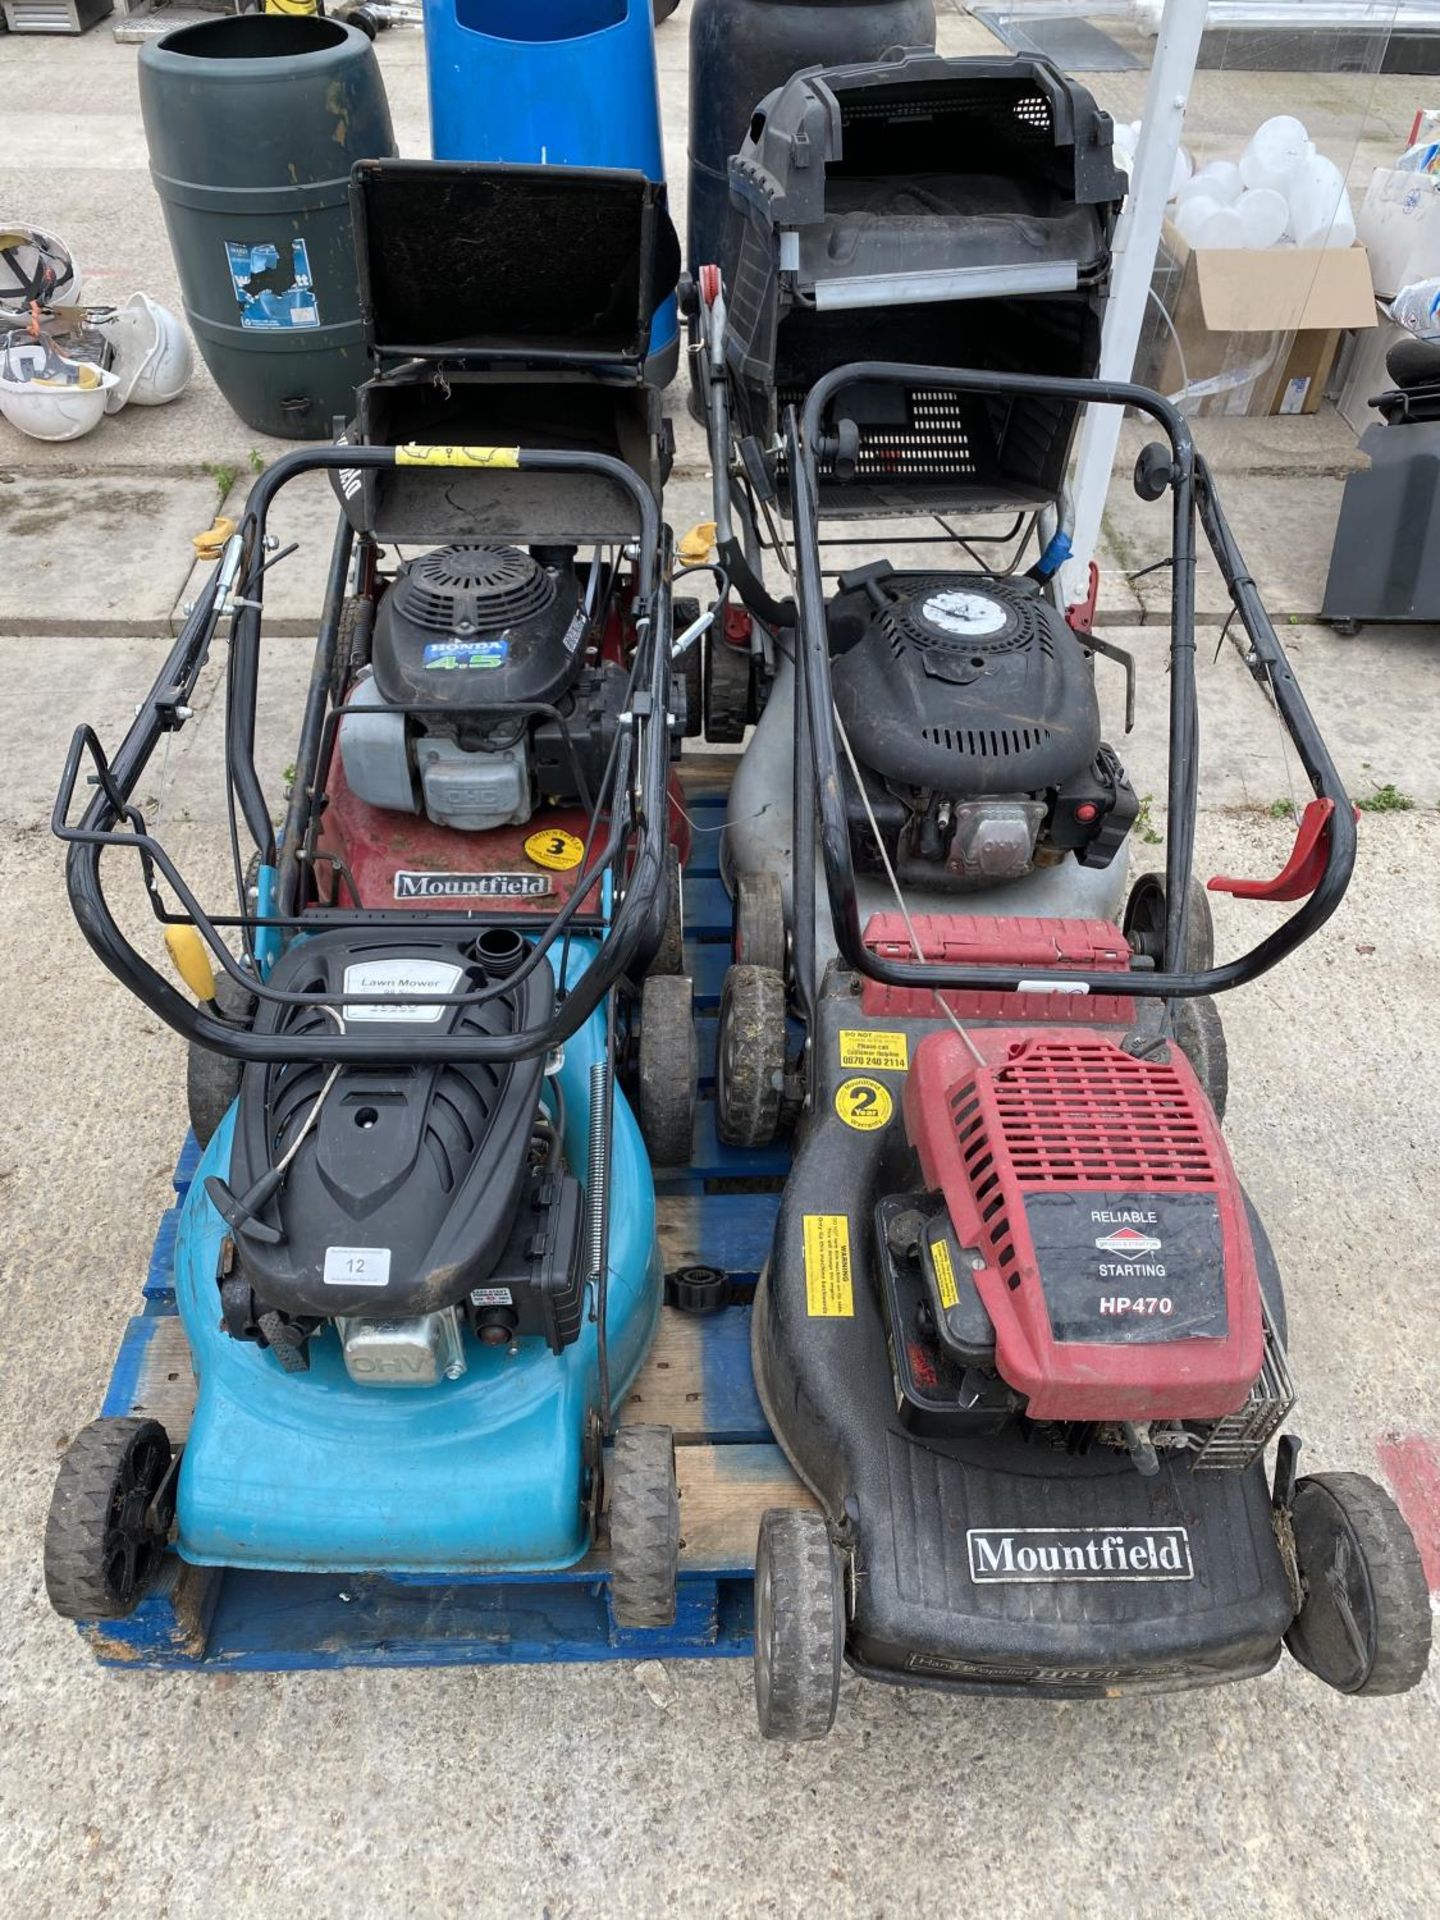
x: 829, y: 1291
x: 556, y: 849
x: 888, y: 1051
x: 944, y: 1274
x: 864, y: 1105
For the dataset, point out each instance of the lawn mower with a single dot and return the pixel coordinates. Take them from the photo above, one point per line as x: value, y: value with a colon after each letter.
x: 1021, y: 1332
x: 417, y: 1266
x: 921, y: 209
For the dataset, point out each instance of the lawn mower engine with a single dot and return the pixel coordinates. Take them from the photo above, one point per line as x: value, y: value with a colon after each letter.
x: 970, y: 707
x: 469, y: 643
x: 1082, y: 1254
x: 406, y: 1203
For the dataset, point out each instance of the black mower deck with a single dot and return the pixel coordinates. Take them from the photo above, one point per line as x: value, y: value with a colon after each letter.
x: 717, y: 1213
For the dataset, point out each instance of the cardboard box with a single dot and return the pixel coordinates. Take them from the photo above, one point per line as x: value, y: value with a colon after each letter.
x: 1399, y: 227
x: 1257, y: 331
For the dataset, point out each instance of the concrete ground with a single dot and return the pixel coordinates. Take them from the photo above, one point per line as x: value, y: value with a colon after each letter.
x: 636, y: 1789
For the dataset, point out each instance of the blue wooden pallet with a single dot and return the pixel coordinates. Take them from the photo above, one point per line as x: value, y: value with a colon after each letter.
x: 716, y: 1212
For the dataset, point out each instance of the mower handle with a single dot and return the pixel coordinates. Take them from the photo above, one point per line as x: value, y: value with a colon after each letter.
x: 166, y: 709
x: 1192, y: 487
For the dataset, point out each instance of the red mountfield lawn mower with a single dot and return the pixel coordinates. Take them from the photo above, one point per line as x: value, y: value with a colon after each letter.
x: 1022, y: 1333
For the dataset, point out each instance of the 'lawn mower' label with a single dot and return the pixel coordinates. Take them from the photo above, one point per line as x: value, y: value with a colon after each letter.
x: 1024, y: 1555
x: 829, y: 1288
x: 472, y: 886
x: 397, y: 977
x: 1126, y: 1269
x: 890, y: 1052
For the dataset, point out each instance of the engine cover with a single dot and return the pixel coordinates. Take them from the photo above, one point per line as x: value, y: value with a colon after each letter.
x: 960, y: 683
x: 1094, y: 1211
x: 401, y: 1198
x: 479, y: 628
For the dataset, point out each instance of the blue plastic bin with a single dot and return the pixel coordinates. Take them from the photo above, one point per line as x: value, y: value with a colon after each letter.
x: 561, y: 83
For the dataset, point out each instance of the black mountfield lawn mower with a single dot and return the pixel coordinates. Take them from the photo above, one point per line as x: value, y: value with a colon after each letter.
x: 1022, y: 1333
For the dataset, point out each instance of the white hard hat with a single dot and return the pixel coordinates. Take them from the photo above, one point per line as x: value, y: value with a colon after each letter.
x: 153, y: 360
x: 47, y: 395
x: 36, y: 266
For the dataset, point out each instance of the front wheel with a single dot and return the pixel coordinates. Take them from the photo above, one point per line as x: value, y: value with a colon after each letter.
x: 799, y: 1625
x: 1364, y: 1627
x: 644, y: 1526
x: 750, y: 1057
x: 109, y: 1519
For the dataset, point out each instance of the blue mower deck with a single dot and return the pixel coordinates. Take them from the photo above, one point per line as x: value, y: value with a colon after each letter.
x: 717, y: 1212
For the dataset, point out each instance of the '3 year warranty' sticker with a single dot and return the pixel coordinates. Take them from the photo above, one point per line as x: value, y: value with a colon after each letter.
x: 556, y: 849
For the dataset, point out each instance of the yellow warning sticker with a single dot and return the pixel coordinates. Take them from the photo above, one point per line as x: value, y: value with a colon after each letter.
x: 556, y: 849
x: 829, y: 1290
x: 944, y: 1274
x: 414, y: 455
x: 864, y: 1105
x: 890, y: 1052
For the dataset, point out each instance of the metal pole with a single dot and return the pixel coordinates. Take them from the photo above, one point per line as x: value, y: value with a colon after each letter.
x: 1137, y: 241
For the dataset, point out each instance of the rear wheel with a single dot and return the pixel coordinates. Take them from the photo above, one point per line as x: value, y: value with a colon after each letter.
x: 759, y: 922
x: 109, y: 1519
x: 799, y: 1625
x: 1365, y: 1624
x: 689, y: 668
x: 1144, y: 923
x: 670, y: 954
x: 727, y: 688
x: 644, y: 1526
x: 669, y: 1068
x: 212, y: 1081
x: 1201, y: 1038
x: 750, y: 1056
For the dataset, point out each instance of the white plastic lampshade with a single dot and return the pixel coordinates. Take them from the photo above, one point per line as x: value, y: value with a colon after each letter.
x: 1264, y: 215
x: 1320, y: 210
x: 1220, y: 179
x: 1274, y: 151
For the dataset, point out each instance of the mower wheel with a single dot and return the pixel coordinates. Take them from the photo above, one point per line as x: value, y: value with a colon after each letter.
x: 109, y: 1518
x: 1365, y: 1623
x: 669, y: 1068
x: 689, y: 668
x: 1144, y: 923
x: 727, y: 688
x: 759, y: 939
x: 670, y: 954
x: 750, y: 1056
x: 1201, y: 1038
x: 212, y: 1081
x: 662, y: 10
x: 347, y: 656
x: 644, y: 1526
x: 799, y: 1625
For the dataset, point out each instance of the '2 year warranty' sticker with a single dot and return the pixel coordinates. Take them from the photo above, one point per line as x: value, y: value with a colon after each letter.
x: 864, y: 1105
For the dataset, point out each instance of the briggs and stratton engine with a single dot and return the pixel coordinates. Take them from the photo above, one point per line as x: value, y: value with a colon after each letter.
x: 1080, y: 1253
x: 971, y: 709
x: 468, y: 642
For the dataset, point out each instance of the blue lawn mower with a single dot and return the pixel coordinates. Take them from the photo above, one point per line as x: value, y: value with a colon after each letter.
x: 417, y: 1266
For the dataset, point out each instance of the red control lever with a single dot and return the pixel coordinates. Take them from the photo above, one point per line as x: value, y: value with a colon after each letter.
x: 1301, y: 873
